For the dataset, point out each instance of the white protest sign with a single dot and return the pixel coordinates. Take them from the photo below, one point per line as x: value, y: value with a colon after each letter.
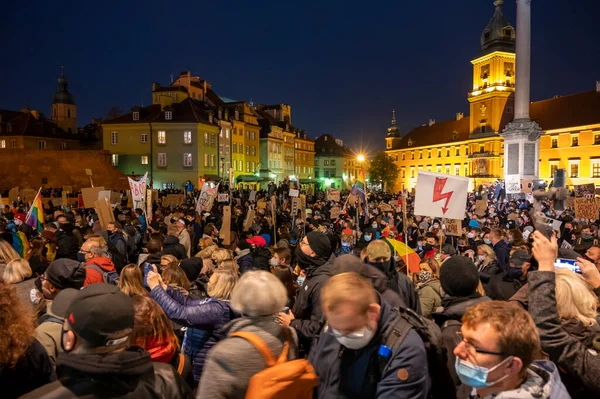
x: 252, y: 196
x: 294, y: 193
x: 207, y: 197
x: 104, y: 194
x: 223, y: 198
x: 512, y: 183
x: 440, y: 195
x: 138, y: 191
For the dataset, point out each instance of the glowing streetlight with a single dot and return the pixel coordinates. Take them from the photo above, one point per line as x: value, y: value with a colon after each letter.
x: 361, y: 158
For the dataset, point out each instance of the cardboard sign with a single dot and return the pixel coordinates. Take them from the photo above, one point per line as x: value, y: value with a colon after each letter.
x: 352, y: 198
x: 88, y: 172
x: 333, y: 195
x: 335, y: 212
x: 3, y: 203
x: 104, y: 194
x: 249, y: 220
x: 273, y: 206
x: 104, y: 211
x: 13, y: 194
x: 526, y: 186
x: 585, y: 190
x: 480, y: 207
x: 28, y: 195
x: 385, y: 207
x: 148, y: 205
x: 453, y: 227
x: 90, y: 196
x: 303, y: 206
x: 570, y: 202
x: 173, y: 199
x: 294, y: 193
x: 223, y: 198
x: 513, y: 216
x: 115, y: 198
x: 512, y: 183
x: 252, y: 196
x: 586, y: 208
x: 67, y: 189
x: 261, y: 204
x: 225, y: 233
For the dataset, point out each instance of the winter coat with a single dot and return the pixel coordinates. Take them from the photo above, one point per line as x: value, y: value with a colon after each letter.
x: 380, y: 283
x: 118, y: 241
x: 233, y: 361
x: 34, y: 369
x: 186, y: 241
x: 399, y: 283
x: 171, y: 246
x: 430, y: 297
x: 93, y: 376
x: 488, y: 271
x: 94, y: 276
x: 260, y: 258
x: 502, y: 287
x: 49, y: 333
x: 204, y: 319
x: 245, y: 261
x: 67, y: 245
x: 567, y: 351
x: 543, y: 382
x: 502, y: 252
x: 345, y: 373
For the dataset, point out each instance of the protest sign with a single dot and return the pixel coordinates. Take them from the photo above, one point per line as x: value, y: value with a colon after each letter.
x: 225, y: 233
x: 565, y: 245
x: 383, y: 207
x: 295, y: 205
x: 334, y: 212
x: 303, y: 206
x: 440, y: 195
x: 249, y: 220
x: 104, y: 194
x: 480, y: 207
x: 57, y: 202
x: 585, y: 190
x: 352, y: 198
x: 512, y: 184
x: 526, y: 186
x: 585, y: 208
x: 88, y: 172
x: 570, y: 202
x: 3, y: 203
x: 333, y: 195
x: 207, y: 197
x: 598, y: 203
x: 105, y: 213
x: 115, y: 198
x: 261, y: 204
x: 138, y: 191
x: 223, y: 198
x: 294, y: 193
x: 252, y: 196
x: 90, y: 196
x: 453, y: 227
x: 13, y: 194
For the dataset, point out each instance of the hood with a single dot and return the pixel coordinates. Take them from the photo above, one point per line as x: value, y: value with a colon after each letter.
x: 323, y: 270
x: 262, y: 252
x: 543, y: 382
x: 118, y: 372
x: 378, y: 278
x: 170, y: 241
x: 453, y: 308
x: 585, y: 334
x: 102, y: 261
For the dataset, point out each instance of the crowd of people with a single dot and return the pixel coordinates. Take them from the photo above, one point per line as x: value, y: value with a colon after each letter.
x: 297, y: 303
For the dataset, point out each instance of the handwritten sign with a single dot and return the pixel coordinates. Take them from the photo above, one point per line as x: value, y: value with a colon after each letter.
x: 480, y: 207
x: 90, y: 196
x: 385, y: 207
x: 294, y: 193
x: 249, y: 220
x: 585, y: 190
x: 334, y: 213
x: 333, y: 195
x: 586, y: 208
x: 223, y: 197
x: 261, y: 204
x: 453, y: 227
x: 512, y: 184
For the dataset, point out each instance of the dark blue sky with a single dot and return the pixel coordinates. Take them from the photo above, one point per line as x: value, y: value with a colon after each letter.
x: 342, y: 65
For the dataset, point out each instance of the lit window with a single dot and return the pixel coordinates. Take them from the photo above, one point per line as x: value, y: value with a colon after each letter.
x: 248, y: 134
x: 144, y: 138
x: 447, y: 169
x: 412, y: 172
x: 253, y: 166
x: 481, y: 148
x: 248, y: 166
x: 554, y: 142
x: 412, y: 155
x: 187, y: 159
x: 457, y: 170
x: 438, y: 169
x: 162, y: 159
x: 553, y: 167
x: 596, y: 139
x: 115, y: 159
x: 573, y: 169
x: 162, y: 137
x: 247, y: 150
x: 187, y: 137
x: 206, y: 160
x: 205, y: 138
x: 403, y: 156
x: 213, y: 140
x: 212, y: 160
x: 234, y: 148
x: 168, y: 115
x: 457, y: 153
x: 63, y: 145
x: 42, y: 145
x: 420, y: 154
x: 447, y: 152
x: 144, y: 159
x: 241, y: 165
x: 227, y: 133
x: 136, y: 116
x: 253, y: 136
x: 2, y: 143
x: 596, y: 168
x: 326, y: 162
x: 574, y: 141
x: 114, y: 138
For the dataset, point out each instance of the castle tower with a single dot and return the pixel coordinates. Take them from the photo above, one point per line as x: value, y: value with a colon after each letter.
x: 64, y: 110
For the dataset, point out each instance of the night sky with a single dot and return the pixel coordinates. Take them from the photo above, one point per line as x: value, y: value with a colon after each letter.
x: 342, y: 66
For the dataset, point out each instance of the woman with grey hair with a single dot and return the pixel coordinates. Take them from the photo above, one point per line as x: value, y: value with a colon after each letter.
x: 258, y: 296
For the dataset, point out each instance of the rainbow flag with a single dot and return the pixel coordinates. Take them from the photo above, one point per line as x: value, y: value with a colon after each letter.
x: 408, y: 256
x: 360, y: 189
x: 35, y: 217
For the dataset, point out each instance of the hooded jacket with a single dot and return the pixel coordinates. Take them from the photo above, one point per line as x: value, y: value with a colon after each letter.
x: 129, y: 374
x: 67, y: 245
x: 245, y: 261
x: 429, y: 295
x: 94, y: 276
x: 399, y: 283
x: 502, y: 287
x: 171, y: 246
x: 260, y: 258
x: 502, y: 252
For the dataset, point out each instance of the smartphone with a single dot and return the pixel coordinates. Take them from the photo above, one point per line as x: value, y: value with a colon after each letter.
x: 562, y: 263
x: 147, y: 268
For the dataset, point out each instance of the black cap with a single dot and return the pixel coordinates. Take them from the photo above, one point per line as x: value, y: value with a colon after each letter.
x: 519, y: 257
x: 66, y: 273
x: 459, y: 276
x: 60, y: 304
x: 102, y: 315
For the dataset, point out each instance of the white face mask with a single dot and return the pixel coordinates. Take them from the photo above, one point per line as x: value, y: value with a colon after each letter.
x: 356, y: 340
x: 481, y: 257
x: 273, y: 262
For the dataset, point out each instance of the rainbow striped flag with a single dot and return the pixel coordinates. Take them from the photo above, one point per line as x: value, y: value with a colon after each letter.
x: 35, y: 217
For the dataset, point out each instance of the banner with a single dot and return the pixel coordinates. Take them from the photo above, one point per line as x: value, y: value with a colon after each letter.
x: 223, y: 198
x: 480, y: 207
x: 453, y: 227
x: 105, y: 213
x: 512, y: 184
x: 207, y: 197
x: 526, y: 186
x: 138, y: 191
x: 148, y: 206
x: 585, y: 208
x: 335, y: 212
x: 28, y: 195
x: 585, y: 190
x: 440, y: 195
x: 294, y: 193
x: 333, y: 195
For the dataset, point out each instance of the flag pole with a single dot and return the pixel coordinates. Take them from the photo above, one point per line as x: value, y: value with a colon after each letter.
x: 31, y: 207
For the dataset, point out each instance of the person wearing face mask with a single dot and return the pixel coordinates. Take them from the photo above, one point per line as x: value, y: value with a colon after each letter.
x: 486, y: 263
x: 428, y: 286
x: 431, y: 246
x: 367, y: 236
x: 95, y: 256
x: 116, y: 238
x: 585, y: 240
x: 501, y: 248
x: 503, y: 286
x: 96, y: 343
x: 346, y: 246
x: 314, y: 257
x: 66, y: 242
x: 496, y: 352
x: 346, y: 355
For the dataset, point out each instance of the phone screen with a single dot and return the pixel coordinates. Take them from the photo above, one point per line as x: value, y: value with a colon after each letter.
x: 147, y: 268
x: 561, y: 263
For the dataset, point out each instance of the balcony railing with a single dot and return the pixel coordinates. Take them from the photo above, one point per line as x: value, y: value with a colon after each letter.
x: 485, y: 154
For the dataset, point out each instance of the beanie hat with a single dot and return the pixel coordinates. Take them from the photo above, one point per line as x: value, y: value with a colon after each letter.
x: 459, y: 276
x: 243, y: 244
x: 319, y: 243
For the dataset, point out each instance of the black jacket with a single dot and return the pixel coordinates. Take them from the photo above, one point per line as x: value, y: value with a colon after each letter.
x: 130, y: 374
x: 67, y: 245
x: 501, y: 287
x: 33, y: 370
x: 399, y: 283
x: 260, y: 258
x: 502, y: 252
x: 171, y: 246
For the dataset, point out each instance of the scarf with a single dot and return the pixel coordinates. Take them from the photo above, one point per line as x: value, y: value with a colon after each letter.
x: 160, y: 352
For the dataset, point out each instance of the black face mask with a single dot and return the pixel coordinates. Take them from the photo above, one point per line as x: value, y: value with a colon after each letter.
x: 304, y: 261
x: 428, y: 247
x: 462, y: 248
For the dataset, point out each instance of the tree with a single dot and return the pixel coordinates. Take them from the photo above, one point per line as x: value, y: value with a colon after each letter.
x: 382, y: 170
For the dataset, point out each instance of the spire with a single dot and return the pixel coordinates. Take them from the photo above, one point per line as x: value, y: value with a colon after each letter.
x: 393, y: 130
x: 62, y: 95
x: 499, y: 33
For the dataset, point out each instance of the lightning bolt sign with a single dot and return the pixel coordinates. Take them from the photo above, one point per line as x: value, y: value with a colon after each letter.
x: 438, y: 187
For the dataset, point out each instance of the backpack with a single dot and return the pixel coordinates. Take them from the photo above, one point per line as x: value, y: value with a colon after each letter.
x: 281, y: 379
x: 108, y: 277
x: 118, y: 259
x: 437, y: 360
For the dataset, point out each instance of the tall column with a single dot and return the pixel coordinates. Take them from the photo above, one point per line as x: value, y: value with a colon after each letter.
x: 523, y: 63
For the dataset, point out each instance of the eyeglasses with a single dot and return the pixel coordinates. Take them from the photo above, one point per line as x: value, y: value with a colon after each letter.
x: 471, y: 348
x: 352, y: 335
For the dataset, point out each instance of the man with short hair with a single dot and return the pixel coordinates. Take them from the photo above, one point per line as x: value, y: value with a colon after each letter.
x: 346, y: 355
x: 500, y: 246
x: 585, y: 240
x: 116, y: 238
x: 495, y: 357
x: 98, y: 361
x: 501, y: 287
x: 282, y: 257
x: 95, y: 257
x: 184, y: 236
x: 593, y: 254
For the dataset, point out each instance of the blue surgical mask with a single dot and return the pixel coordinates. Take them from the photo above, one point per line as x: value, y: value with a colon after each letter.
x: 476, y: 376
x: 301, y: 281
x: 487, y: 241
x: 367, y: 238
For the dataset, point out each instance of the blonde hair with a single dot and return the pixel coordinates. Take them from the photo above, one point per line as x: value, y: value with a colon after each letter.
x: 7, y: 252
x: 258, y: 293
x: 17, y: 270
x: 231, y: 266
x: 574, y: 300
x: 220, y: 255
x: 490, y: 255
x: 221, y: 284
x: 97, y: 238
x: 348, y: 288
x: 207, y: 252
x: 168, y: 258
x: 207, y: 242
x: 131, y: 280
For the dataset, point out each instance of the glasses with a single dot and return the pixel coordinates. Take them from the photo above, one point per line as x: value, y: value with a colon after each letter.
x: 303, y: 243
x: 471, y: 348
x: 352, y: 335
x: 84, y: 252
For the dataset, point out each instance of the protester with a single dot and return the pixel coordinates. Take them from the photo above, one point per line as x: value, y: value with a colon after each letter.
x: 171, y: 244
x: 18, y: 272
x: 131, y: 281
x: 260, y: 254
x: 7, y: 253
x: 97, y: 262
x: 428, y: 286
x: 60, y: 275
x: 503, y: 286
x: 66, y: 242
x: 35, y: 256
x: 486, y: 263
x: 501, y: 248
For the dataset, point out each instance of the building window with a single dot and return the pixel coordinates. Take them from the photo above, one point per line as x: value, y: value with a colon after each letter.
x: 574, y: 141
x: 13, y: 144
x: 403, y: 173
x: 420, y: 154
x: 439, y: 153
x: 573, y: 169
x: 205, y: 138
x: 253, y: 135
x: 447, y: 169
x: 9, y: 127
x: 248, y: 134
x: 241, y: 165
x: 466, y: 169
x: 144, y: 138
x: 234, y: 148
x: 162, y: 159
x: 482, y: 128
x: 213, y: 140
x: 187, y: 159
x: 247, y: 150
x: 412, y: 155
x: 596, y: 168
x: 168, y: 115
x: 403, y: 157
x: 481, y: 148
x: 63, y: 145
x: 115, y: 160
x: 2, y: 143
x: 467, y: 151
x: 553, y: 167
x: 144, y: 159
x: 332, y: 162
x: 508, y: 109
x: 206, y: 160
x: 42, y: 144
x: 457, y: 170
x: 136, y: 116
x: 596, y: 138
x: 253, y: 166
x: 162, y: 137
x: 457, y: 152
x: 227, y: 134
x: 114, y: 138
x: 326, y: 162
x: 554, y: 142
x: 212, y: 160
x: 438, y: 169
x: 187, y: 137
x: 412, y: 172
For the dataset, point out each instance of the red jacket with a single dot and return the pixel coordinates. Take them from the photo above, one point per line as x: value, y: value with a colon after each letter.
x: 93, y: 276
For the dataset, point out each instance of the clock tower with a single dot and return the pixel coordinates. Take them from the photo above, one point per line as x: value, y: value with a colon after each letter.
x: 64, y: 110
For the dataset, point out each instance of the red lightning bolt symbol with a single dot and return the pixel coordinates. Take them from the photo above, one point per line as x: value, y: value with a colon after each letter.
x: 438, y: 187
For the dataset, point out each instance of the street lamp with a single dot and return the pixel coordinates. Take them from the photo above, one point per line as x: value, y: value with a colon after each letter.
x: 361, y: 158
